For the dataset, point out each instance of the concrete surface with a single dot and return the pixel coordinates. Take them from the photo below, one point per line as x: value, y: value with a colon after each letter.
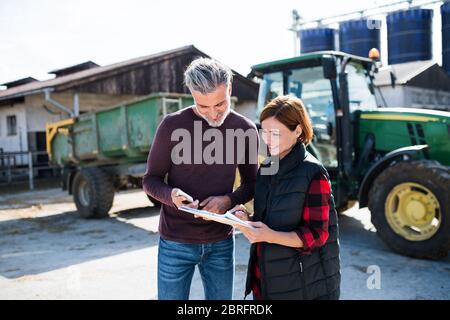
x: 48, y: 252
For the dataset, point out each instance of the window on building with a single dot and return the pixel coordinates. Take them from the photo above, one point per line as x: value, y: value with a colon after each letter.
x: 11, y: 125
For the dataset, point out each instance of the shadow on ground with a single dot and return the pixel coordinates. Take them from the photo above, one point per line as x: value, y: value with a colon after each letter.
x: 35, y: 245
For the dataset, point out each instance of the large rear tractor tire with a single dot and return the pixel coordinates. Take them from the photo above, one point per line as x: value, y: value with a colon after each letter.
x: 93, y: 193
x: 410, y: 207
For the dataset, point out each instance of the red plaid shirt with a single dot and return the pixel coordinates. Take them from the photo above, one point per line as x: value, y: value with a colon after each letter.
x: 313, y: 230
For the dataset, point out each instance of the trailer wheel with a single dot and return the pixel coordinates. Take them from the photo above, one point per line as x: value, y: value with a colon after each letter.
x: 410, y: 208
x: 93, y: 193
x: 155, y: 202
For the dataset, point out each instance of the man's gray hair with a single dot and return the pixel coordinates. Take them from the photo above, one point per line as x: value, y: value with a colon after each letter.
x: 205, y: 75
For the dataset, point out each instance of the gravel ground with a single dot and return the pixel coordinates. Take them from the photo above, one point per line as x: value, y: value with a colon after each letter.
x: 48, y: 252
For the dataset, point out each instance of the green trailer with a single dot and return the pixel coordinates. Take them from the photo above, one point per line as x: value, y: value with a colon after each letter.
x: 104, y: 151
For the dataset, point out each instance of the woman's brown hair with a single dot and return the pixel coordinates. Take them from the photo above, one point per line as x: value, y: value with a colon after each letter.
x: 291, y: 112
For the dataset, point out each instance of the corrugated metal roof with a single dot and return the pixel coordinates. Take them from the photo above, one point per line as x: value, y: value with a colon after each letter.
x: 85, y: 76
x: 76, y: 68
x: 18, y: 82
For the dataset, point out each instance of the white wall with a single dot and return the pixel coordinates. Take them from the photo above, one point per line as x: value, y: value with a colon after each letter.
x: 412, y: 97
x: 394, y: 97
x: 19, y: 141
x: 38, y: 116
x: 426, y: 98
x: 30, y: 117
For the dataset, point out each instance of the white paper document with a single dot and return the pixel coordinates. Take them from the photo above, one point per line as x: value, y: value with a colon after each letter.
x: 227, y: 218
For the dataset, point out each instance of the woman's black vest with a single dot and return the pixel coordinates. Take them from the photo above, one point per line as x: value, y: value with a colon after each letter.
x: 287, y: 273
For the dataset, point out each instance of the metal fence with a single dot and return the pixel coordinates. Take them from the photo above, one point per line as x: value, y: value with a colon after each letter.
x: 22, y: 165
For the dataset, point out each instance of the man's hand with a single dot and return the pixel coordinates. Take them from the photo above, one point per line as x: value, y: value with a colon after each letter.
x: 178, y: 199
x: 218, y: 204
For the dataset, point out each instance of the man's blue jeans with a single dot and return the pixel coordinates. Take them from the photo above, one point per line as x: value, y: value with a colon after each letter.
x: 176, y: 266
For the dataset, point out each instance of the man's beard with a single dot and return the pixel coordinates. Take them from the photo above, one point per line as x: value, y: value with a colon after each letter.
x: 216, y: 124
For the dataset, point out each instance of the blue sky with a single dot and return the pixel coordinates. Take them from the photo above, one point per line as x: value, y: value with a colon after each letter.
x: 41, y: 35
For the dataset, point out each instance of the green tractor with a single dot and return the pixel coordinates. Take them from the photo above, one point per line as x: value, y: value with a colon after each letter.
x: 395, y: 161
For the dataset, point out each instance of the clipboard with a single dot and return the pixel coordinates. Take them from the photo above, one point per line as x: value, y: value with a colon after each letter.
x: 227, y: 218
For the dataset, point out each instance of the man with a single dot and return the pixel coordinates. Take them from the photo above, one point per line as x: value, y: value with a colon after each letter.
x: 186, y: 242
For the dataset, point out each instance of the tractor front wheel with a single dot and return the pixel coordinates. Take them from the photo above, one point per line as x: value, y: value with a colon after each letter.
x: 410, y: 208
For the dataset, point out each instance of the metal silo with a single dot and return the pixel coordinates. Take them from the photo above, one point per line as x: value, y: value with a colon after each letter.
x: 317, y: 39
x: 409, y: 35
x: 359, y: 36
x: 445, y: 12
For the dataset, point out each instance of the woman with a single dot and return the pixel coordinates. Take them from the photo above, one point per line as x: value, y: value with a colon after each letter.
x: 295, y: 249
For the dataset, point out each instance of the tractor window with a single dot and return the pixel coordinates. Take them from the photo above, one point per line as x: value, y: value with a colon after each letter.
x: 359, y: 94
x: 315, y: 91
x: 270, y: 88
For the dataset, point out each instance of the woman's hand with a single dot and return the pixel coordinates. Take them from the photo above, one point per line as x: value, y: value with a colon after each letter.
x: 260, y: 233
x: 241, y: 212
